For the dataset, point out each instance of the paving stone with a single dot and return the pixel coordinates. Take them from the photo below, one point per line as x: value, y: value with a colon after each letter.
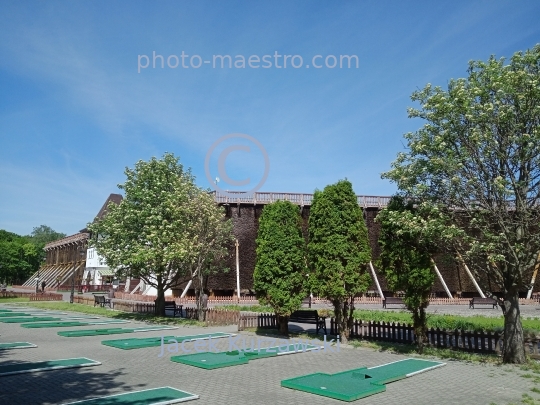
x: 257, y: 382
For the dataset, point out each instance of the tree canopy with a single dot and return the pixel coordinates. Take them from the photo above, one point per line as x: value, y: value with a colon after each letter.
x: 477, y: 160
x: 338, y: 250
x: 407, y: 243
x: 21, y: 256
x: 165, y: 230
x: 281, y: 269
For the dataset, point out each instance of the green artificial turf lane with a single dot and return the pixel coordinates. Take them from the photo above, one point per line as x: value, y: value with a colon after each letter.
x: 155, y: 396
x: 46, y: 365
x: 139, y: 343
x: 29, y: 319
x: 66, y: 323
x: 16, y: 345
x: 212, y: 360
x: 110, y: 331
x: 30, y: 313
x: 361, y: 382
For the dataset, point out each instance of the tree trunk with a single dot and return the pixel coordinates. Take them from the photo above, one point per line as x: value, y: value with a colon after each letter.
x: 420, y: 328
x: 341, y: 311
x: 160, y: 300
x: 283, y: 322
x: 514, y: 351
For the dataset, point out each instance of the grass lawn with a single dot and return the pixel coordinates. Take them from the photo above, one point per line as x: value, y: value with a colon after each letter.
x: 85, y: 309
x: 10, y: 300
x: 472, y: 323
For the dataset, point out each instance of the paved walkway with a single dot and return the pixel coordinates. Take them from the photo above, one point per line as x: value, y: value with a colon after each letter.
x: 257, y: 382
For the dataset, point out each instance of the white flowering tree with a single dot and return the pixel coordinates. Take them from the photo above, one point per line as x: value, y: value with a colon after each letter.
x: 165, y: 230
x: 476, y: 160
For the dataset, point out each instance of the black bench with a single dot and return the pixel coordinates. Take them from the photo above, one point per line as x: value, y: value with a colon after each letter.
x: 171, y: 306
x: 102, y: 301
x: 392, y: 301
x: 482, y: 301
x: 311, y: 317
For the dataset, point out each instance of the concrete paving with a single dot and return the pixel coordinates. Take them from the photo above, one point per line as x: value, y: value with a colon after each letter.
x: 257, y: 382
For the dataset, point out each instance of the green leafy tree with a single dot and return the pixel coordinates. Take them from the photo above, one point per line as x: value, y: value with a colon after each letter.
x: 165, y: 230
x: 19, y: 257
x: 281, y: 269
x: 405, y: 259
x: 338, y: 251
x: 40, y: 236
x: 477, y: 160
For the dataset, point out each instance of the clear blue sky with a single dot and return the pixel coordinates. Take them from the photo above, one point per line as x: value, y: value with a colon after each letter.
x: 75, y: 111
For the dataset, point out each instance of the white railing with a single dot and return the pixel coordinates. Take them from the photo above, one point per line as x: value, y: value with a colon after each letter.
x: 366, y: 201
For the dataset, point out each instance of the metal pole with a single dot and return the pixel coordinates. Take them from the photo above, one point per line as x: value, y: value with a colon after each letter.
x: 71, y: 297
x: 237, y: 272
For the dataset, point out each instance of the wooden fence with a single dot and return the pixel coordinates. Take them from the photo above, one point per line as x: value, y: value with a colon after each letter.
x: 31, y: 296
x: 78, y: 299
x: 138, y: 307
x: 135, y: 297
x: 477, y: 342
x: 46, y: 297
x: 214, y: 317
x: 257, y: 321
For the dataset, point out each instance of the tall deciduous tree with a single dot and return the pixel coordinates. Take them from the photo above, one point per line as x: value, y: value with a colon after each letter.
x: 165, y: 229
x: 338, y: 251
x: 280, y: 271
x: 20, y: 256
x: 477, y: 158
x: 406, y: 246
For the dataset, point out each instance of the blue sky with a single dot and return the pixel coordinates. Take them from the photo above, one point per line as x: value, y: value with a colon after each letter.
x: 75, y: 111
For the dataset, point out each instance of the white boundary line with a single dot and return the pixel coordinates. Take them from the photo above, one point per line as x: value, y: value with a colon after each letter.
x: 425, y: 369
x: 154, y: 328
x: 293, y: 351
x: 32, y: 370
x: 399, y: 361
x: 30, y: 345
x: 105, y: 322
x: 174, y: 401
x: 208, y: 336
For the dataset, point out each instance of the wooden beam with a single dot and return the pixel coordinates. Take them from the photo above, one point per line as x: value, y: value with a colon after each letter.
x: 471, y: 276
x: 533, y: 280
x: 441, y: 278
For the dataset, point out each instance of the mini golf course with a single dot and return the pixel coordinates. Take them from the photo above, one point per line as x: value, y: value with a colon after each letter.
x: 26, y: 319
x: 61, y: 324
x: 361, y: 382
x: 211, y: 360
x: 110, y: 331
x: 155, y: 396
x: 21, y: 368
x: 139, y: 343
x: 16, y: 345
x: 21, y: 314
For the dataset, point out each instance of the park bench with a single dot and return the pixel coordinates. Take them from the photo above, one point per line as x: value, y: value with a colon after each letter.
x: 392, y: 301
x: 171, y: 306
x: 482, y: 301
x: 102, y: 301
x: 311, y: 317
